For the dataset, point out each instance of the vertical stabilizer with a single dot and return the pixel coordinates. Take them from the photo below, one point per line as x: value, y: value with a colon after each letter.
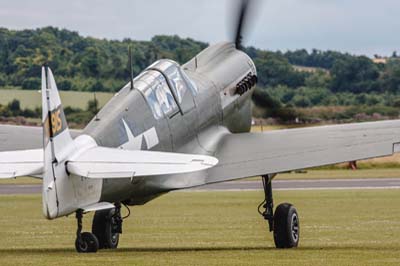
x: 57, y: 145
x: 54, y: 122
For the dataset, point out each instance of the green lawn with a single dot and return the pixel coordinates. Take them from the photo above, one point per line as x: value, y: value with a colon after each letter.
x: 31, y: 98
x: 215, y: 228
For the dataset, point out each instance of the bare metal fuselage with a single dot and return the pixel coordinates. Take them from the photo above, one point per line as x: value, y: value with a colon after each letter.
x: 212, y: 110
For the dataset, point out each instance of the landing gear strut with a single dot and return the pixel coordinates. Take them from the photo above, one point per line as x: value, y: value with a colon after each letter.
x: 85, y: 242
x: 284, y: 222
x: 268, y: 203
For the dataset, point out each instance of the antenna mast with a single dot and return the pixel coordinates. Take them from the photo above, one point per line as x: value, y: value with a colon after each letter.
x: 95, y: 107
x: 130, y: 66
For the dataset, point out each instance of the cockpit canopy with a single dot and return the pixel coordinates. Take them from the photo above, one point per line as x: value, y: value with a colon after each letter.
x: 164, y: 85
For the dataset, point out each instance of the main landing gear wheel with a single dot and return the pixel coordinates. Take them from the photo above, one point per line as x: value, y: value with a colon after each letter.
x: 107, y: 225
x: 284, y: 222
x: 286, y: 226
x: 85, y: 242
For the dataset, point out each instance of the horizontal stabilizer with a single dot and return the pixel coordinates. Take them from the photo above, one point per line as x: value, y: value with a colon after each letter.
x: 100, y: 162
x: 21, y: 163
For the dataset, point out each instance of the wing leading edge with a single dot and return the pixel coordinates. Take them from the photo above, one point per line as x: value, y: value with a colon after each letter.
x: 252, y: 154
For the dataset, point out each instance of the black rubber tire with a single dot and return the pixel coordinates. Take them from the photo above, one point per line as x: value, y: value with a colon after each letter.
x: 89, y: 243
x: 286, y: 226
x: 102, y: 227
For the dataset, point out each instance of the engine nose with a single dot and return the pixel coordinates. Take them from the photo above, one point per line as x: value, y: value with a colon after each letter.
x: 223, y: 64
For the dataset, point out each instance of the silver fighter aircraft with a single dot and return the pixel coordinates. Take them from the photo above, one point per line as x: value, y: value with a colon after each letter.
x: 174, y: 127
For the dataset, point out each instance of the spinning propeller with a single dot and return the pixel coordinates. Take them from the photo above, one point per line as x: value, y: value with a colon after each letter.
x: 244, y: 12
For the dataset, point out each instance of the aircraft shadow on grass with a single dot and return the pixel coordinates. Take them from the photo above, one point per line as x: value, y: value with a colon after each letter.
x: 191, y: 249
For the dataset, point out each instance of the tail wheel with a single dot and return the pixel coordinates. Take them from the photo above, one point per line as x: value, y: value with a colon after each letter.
x: 87, y: 243
x: 107, y: 227
x: 286, y: 226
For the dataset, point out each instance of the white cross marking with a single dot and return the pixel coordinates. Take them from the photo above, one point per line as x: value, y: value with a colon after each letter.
x: 135, y: 143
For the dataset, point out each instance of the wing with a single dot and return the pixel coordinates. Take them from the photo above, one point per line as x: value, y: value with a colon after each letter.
x: 20, y: 137
x: 23, y: 137
x: 101, y: 162
x: 252, y: 154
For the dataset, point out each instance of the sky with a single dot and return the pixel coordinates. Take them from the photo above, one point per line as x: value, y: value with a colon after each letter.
x: 357, y: 26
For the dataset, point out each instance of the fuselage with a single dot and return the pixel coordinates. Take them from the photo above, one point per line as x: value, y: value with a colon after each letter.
x: 169, y: 109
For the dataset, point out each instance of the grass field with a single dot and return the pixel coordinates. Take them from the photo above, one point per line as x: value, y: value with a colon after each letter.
x: 215, y: 228
x: 31, y: 98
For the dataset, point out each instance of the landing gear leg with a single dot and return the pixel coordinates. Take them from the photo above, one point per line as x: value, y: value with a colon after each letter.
x: 268, y: 203
x: 85, y: 242
x: 284, y: 222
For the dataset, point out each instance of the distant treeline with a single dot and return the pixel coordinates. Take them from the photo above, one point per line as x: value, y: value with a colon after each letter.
x: 82, y: 64
x: 89, y: 64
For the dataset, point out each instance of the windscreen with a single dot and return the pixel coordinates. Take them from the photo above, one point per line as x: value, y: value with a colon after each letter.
x: 157, y: 93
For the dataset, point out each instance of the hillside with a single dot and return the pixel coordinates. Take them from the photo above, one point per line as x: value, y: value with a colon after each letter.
x: 294, y: 79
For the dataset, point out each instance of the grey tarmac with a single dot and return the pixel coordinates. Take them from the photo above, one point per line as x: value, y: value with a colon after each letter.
x: 315, y: 184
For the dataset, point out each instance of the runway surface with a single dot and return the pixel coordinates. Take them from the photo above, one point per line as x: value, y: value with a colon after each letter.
x: 378, y: 183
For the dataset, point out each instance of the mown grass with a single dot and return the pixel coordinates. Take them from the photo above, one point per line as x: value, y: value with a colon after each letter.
x: 20, y: 181
x: 31, y: 98
x: 215, y: 228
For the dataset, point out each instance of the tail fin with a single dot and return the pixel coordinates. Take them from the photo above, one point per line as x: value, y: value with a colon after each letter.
x: 57, y: 144
x: 55, y: 125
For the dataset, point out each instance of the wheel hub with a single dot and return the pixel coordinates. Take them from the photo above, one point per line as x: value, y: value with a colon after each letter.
x: 295, y: 227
